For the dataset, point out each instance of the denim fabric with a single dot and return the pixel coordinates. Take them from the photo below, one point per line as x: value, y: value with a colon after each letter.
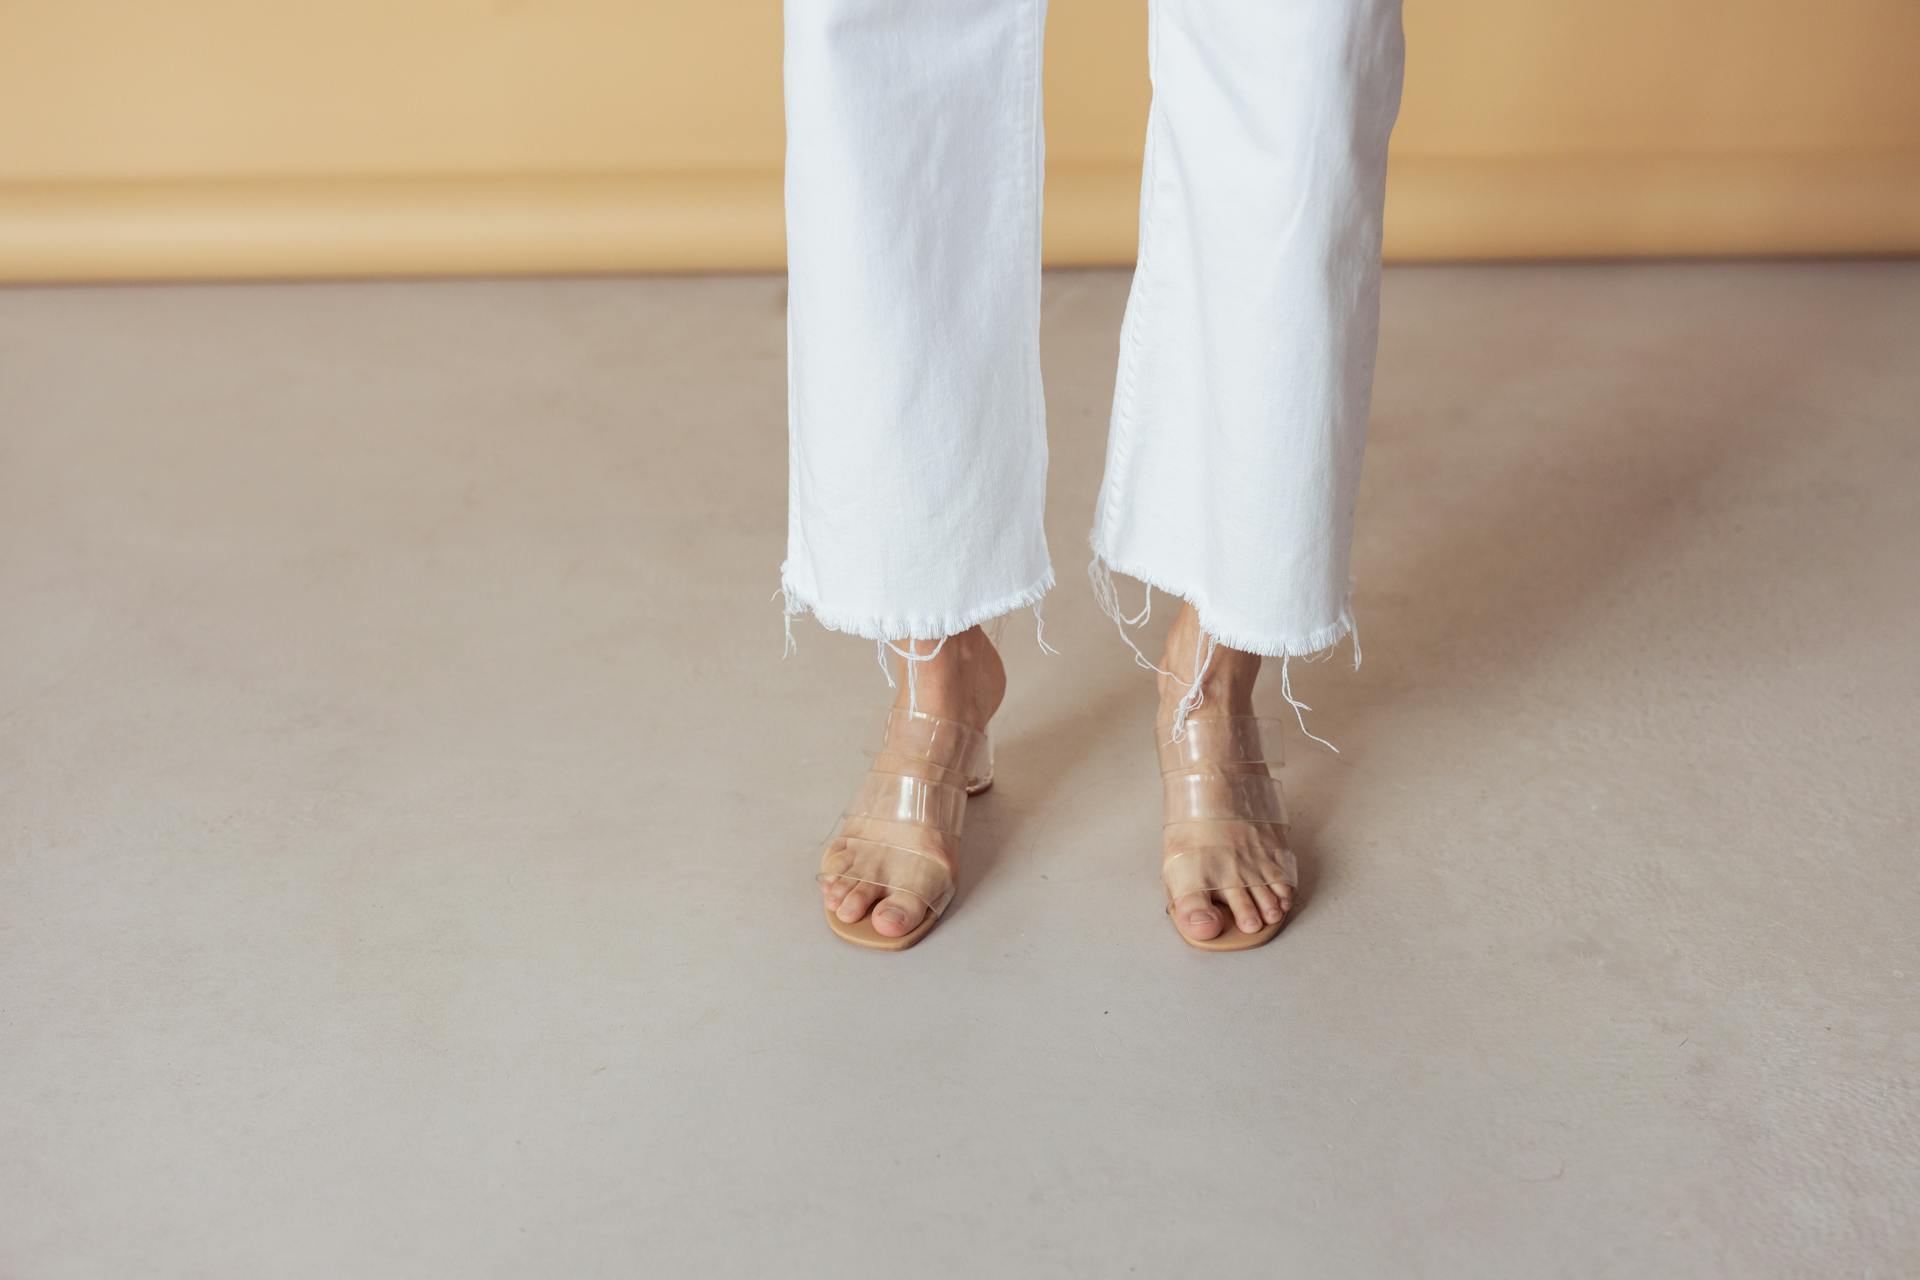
x: 917, y: 433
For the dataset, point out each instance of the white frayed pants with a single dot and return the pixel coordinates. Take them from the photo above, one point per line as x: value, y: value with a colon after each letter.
x: 917, y: 430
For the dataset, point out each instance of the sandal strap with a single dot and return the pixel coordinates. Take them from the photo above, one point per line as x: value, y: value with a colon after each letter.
x: 962, y: 753
x: 910, y: 807
x: 897, y: 868
x: 934, y: 803
x: 1218, y: 867
x: 1212, y: 795
x: 1225, y: 740
x: 1215, y: 784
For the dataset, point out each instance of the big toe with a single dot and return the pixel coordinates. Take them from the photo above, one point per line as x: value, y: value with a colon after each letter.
x: 898, y: 914
x: 1196, y: 916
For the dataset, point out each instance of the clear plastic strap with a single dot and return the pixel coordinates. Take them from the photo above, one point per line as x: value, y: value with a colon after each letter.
x: 955, y: 751
x: 925, y: 873
x: 1214, y: 741
x: 909, y: 808
x: 1226, y: 815
x: 1213, y: 796
x: 903, y: 797
x: 1207, y: 860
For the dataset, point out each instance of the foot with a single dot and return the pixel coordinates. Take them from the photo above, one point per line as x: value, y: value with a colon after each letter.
x: 1226, y: 690
x: 964, y: 681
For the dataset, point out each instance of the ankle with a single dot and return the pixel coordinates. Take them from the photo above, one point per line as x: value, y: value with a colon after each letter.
x: 963, y: 681
x: 1221, y: 694
x: 1226, y: 682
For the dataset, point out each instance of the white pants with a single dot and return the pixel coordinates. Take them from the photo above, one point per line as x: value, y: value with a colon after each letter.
x: 917, y: 423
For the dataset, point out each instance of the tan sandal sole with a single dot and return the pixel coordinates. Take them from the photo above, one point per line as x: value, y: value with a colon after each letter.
x: 861, y: 932
x: 1232, y: 939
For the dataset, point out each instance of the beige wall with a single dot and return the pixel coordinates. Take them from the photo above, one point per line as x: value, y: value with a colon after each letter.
x: 247, y: 137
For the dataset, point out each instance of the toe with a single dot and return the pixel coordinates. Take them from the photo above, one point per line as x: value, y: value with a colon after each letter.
x: 834, y: 888
x: 898, y: 914
x: 1245, y: 913
x: 1196, y: 916
x: 854, y: 905
x: 1271, y: 907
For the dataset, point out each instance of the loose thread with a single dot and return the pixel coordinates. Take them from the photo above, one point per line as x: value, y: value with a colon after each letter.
x: 1286, y: 691
x: 1108, y: 597
x: 912, y: 659
x: 1040, y: 631
x: 1204, y: 647
x: 787, y: 611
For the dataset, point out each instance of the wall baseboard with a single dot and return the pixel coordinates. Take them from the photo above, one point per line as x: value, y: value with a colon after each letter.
x: 1439, y: 208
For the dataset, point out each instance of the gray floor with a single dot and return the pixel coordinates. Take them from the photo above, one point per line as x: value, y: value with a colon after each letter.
x: 408, y: 820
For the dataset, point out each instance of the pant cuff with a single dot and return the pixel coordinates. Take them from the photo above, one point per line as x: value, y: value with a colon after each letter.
x: 796, y: 602
x: 1236, y: 632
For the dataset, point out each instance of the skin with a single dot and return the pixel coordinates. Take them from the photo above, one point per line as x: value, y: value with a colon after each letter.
x: 965, y: 681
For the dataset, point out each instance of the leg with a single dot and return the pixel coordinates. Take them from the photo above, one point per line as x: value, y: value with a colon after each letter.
x: 917, y: 445
x: 916, y: 420
x: 1246, y: 364
x: 1247, y: 351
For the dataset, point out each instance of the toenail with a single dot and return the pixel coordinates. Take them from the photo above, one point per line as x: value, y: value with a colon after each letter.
x: 1200, y: 917
x: 894, y: 917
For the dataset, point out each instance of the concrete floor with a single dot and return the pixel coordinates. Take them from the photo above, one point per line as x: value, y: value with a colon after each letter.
x: 409, y: 823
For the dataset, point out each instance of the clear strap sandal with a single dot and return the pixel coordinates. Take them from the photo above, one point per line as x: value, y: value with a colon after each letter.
x: 1226, y: 818
x: 902, y: 830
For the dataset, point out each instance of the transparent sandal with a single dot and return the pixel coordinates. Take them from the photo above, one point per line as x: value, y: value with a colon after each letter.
x: 1226, y: 813
x: 907, y: 813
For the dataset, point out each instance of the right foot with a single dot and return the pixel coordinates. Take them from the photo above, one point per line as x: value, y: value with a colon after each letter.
x: 919, y: 783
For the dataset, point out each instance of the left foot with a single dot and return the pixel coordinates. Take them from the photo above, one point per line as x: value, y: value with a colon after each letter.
x: 1255, y: 845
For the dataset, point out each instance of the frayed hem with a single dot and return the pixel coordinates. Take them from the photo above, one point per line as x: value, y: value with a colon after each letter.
x: 898, y: 630
x: 1100, y: 572
x: 1311, y: 644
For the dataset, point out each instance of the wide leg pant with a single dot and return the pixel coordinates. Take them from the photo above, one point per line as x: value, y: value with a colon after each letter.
x: 917, y: 420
